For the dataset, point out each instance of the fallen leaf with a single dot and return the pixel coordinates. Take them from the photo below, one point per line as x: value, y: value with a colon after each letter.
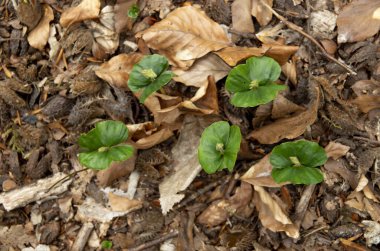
x: 197, y: 75
x: 290, y: 71
x: 123, y: 22
x: 116, y: 70
x: 17, y: 236
x: 185, y: 35
x: 241, y: 16
x: 233, y: 55
x: 186, y: 165
x: 154, y: 139
x: 349, y: 245
x: 283, y: 107
x: 260, y: 174
x: 261, y: 12
x: 120, y: 203
x: 115, y: 171
x: 87, y: 9
x: 209, y: 100
x: 367, y: 103
x: 219, y: 211
x: 291, y: 127
x: 336, y: 150
x: 358, y: 21
x: 39, y: 36
x: 366, y: 87
x: 271, y: 214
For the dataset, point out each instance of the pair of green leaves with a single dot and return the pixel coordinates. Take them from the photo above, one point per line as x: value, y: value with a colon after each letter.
x: 149, y: 75
x: 252, y: 83
x: 104, y: 144
x: 296, y: 162
x: 219, y: 146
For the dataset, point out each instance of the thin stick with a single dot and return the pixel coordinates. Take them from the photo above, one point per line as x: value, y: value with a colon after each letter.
x: 313, y: 40
x: 154, y: 242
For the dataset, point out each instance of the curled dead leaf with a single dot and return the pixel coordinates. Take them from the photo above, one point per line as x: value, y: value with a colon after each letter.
x: 367, y: 103
x: 120, y: 203
x: 241, y: 16
x: 283, y: 107
x: 116, y: 70
x: 115, y: 171
x: 154, y: 139
x: 271, y: 214
x: 39, y: 36
x: 336, y: 150
x: 87, y: 9
x: 358, y: 21
x: 262, y: 13
x: 185, y: 35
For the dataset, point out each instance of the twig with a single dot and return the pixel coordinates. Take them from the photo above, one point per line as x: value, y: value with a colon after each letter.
x: 313, y: 40
x: 154, y: 242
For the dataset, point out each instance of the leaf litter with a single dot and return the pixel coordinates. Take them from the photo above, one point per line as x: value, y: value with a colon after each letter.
x: 65, y: 65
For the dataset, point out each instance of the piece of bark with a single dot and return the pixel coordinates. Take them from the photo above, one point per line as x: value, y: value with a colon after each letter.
x: 303, y: 204
x: 34, y: 192
x: 82, y: 237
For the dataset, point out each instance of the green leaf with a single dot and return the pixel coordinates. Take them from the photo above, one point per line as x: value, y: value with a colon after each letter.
x: 252, y: 84
x: 105, y: 133
x: 298, y: 175
x: 149, y: 75
x: 296, y: 161
x: 133, y: 11
x: 106, y: 244
x: 219, y: 146
x: 100, y: 160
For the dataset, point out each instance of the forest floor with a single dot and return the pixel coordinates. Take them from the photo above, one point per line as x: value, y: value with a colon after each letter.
x: 64, y: 66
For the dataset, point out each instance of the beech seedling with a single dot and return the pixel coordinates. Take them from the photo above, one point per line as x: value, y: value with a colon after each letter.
x: 253, y: 83
x: 219, y: 146
x: 104, y: 144
x: 149, y: 75
x: 297, y: 162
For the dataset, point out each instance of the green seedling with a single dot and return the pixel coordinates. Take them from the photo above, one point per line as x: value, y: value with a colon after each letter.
x: 219, y: 146
x: 149, y: 75
x: 133, y: 11
x: 104, y: 144
x: 106, y: 244
x: 253, y: 83
x: 296, y: 162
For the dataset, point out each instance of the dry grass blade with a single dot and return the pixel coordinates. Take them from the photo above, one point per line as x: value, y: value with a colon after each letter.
x: 185, y: 35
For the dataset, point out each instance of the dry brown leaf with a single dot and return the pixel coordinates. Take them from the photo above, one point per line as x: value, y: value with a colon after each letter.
x: 366, y: 87
x: 260, y: 174
x: 220, y: 210
x: 290, y: 71
x: 185, y: 35
x: 121, y: 203
x: 291, y: 127
x: 154, y: 139
x: 209, y: 101
x: 201, y: 69
x: 123, y: 22
x: 271, y: 215
x: 233, y: 55
x: 336, y: 150
x: 241, y: 16
x: 262, y: 13
x: 336, y: 166
x: 87, y: 9
x: 367, y: 103
x: 358, y: 21
x: 115, y: 171
x: 116, y: 70
x: 349, y: 245
x: 283, y: 107
x: 39, y: 36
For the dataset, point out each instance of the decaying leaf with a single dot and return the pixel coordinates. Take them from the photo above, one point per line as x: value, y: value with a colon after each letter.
x: 291, y: 127
x: 261, y: 12
x: 290, y: 71
x: 185, y: 35
x: 154, y: 139
x: 260, y: 174
x: 39, y: 36
x: 220, y: 210
x: 372, y: 233
x: 120, y: 203
x: 116, y: 70
x: 115, y: 171
x: 123, y: 22
x: 17, y: 236
x: 87, y: 9
x: 366, y: 87
x: 336, y: 150
x: 358, y: 21
x: 271, y: 214
x: 241, y: 16
x: 186, y: 164
x: 201, y: 69
x: 283, y: 107
x: 367, y: 103
x: 233, y: 55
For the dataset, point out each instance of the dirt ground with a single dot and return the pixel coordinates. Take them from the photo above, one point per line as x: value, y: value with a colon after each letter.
x: 64, y: 65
